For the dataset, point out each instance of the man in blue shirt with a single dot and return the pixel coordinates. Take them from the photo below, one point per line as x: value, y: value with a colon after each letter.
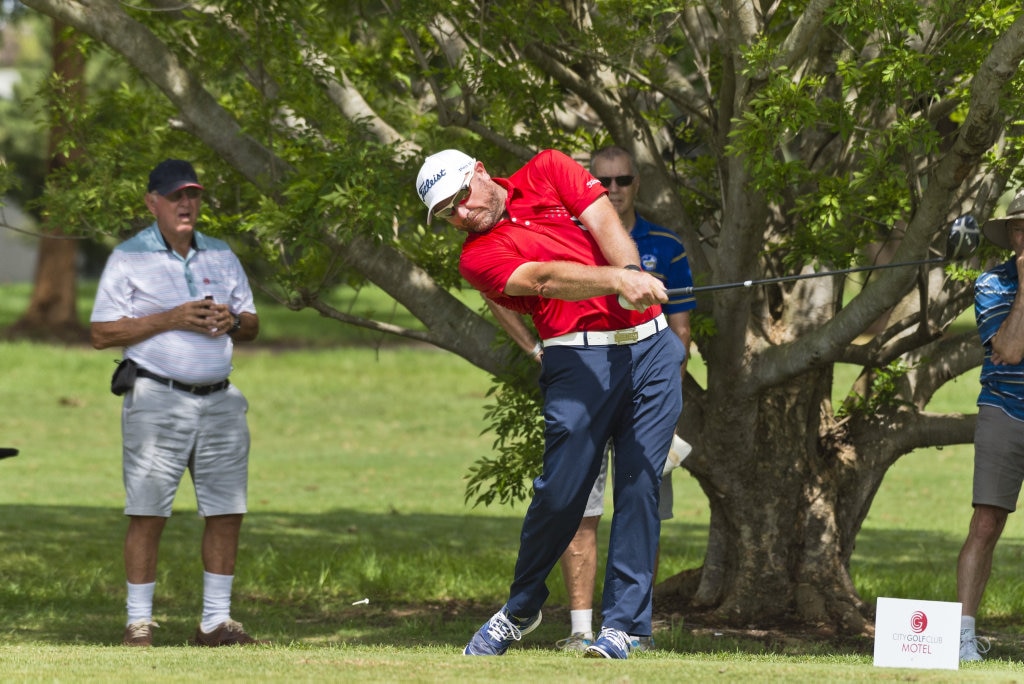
x: 999, y: 432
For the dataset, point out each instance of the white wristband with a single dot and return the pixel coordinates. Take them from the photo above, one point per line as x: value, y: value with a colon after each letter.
x: 538, y: 349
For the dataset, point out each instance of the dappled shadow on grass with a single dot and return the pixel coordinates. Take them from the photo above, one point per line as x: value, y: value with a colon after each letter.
x: 430, y: 579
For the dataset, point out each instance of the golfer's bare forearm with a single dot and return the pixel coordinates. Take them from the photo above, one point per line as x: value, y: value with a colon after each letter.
x: 565, y: 280
x: 1008, y: 342
x: 614, y: 240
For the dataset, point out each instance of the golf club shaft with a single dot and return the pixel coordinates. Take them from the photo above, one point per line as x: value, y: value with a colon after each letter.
x: 675, y: 292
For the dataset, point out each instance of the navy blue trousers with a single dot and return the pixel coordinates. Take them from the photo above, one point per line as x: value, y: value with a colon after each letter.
x: 633, y: 396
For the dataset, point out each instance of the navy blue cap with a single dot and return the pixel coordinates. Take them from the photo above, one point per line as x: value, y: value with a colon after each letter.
x: 172, y: 174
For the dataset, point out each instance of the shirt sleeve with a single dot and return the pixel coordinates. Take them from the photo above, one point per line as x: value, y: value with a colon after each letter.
x: 679, y: 276
x: 487, y: 262
x: 991, y: 306
x: 113, y: 300
x: 241, y: 294
x: 568, y: 180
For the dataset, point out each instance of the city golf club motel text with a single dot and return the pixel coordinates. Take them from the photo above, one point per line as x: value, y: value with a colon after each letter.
x: 915, y: 641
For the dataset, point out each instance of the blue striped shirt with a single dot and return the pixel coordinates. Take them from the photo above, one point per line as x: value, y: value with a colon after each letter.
x: 1001, y: 386
x: 143, y: 276
x: 662, y: 254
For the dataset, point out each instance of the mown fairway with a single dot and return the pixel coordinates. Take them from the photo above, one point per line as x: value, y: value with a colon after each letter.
x: 359, y: 454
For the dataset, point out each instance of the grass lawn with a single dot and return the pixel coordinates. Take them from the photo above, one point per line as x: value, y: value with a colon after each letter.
x: 360, y: 449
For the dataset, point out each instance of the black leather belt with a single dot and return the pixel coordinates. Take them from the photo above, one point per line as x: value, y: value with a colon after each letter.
x: 198, y: 390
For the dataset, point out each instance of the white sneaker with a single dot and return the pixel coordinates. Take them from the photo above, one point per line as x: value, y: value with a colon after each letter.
x: 971, y: 646
x: 577, y: 641
x: 676, y: 454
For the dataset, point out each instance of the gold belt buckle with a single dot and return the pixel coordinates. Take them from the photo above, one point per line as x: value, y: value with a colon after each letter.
x: 626, y: 336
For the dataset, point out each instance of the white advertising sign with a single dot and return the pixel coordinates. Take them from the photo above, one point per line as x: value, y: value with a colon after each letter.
x: 919, y: 634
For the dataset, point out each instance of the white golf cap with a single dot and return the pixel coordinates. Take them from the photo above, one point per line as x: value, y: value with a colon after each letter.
x: 441, y: 176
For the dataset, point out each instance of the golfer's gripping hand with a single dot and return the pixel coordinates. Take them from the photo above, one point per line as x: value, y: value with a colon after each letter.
x: 639, y: 290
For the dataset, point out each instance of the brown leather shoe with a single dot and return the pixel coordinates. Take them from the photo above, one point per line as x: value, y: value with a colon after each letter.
x: 228, y: 633
x: 139, y: 633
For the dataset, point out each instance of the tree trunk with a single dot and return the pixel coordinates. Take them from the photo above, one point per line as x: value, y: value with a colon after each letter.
x: 52, y: 312
x: 786, y: 502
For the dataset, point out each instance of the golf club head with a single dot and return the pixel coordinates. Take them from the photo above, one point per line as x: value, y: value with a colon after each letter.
x: 964, y: 237
x: 7, y: 453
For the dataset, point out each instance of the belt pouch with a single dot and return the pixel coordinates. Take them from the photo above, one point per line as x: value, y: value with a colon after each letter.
x: 124, y: 377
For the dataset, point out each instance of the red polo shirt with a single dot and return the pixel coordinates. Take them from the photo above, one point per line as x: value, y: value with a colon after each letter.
x: 544, y: 198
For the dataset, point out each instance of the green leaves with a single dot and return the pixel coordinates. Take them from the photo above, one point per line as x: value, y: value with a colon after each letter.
x: 516, y: 418
x: 884, y: 391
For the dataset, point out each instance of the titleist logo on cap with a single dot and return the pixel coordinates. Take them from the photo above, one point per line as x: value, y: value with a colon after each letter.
x: 430, y: 182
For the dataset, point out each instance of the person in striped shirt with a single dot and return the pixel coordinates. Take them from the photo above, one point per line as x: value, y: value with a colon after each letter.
x: 999, y: 431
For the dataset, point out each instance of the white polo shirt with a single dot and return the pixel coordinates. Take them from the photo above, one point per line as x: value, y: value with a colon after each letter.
x: 143, y: 276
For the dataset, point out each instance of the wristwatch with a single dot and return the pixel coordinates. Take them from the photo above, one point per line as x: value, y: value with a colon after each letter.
x: 632, y: 267
x: 236, y: 325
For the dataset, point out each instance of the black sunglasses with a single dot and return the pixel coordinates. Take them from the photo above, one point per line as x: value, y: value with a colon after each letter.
x: 449, y: 208
x: 191, y: 192
x: 621, y: 181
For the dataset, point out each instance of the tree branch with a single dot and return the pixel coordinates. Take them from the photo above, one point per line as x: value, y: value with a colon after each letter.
x: 450, y: 325
x: 941, y: 361
x: 807, y: 29
x: 105, y: 21
x: 976, y: 135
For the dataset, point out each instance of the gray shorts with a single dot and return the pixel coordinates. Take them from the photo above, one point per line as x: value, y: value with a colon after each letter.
x: 595, y: 504
x: 167, y: 431
x: 998, y: 458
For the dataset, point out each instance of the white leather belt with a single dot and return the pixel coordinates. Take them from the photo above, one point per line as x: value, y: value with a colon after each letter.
x: 590, y: 338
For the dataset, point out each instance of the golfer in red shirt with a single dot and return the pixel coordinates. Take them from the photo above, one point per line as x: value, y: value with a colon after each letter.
x: 547, y: 242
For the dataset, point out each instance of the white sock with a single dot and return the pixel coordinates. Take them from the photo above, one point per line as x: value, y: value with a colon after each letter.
x: 140, y: 602
x: 967, y: 623
x: 581, y: 622
x: 678, y: 452
x: 216, y: 600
